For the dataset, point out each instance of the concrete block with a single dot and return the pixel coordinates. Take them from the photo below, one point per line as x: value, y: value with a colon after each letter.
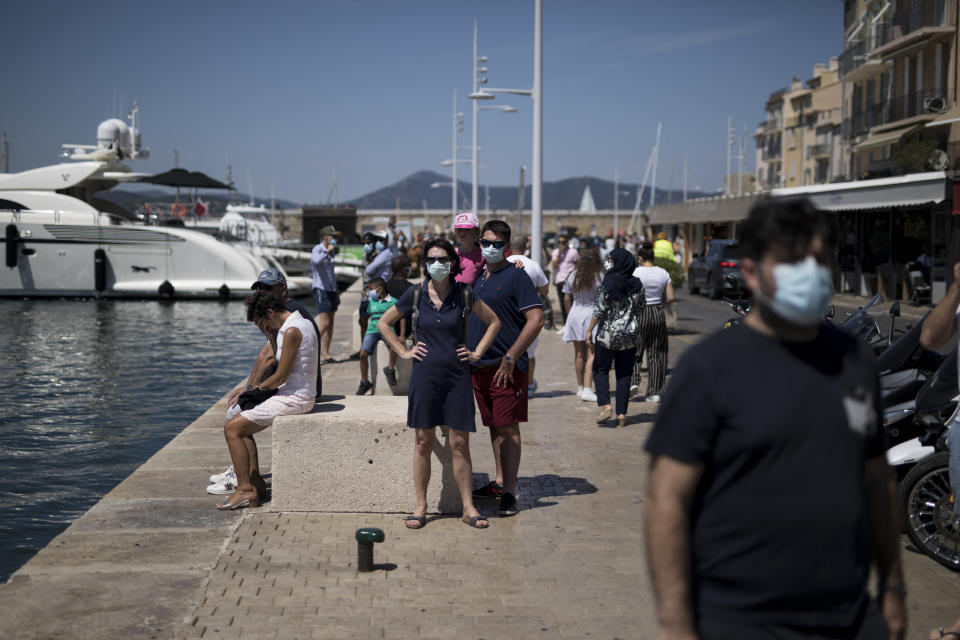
x: 358, y: 457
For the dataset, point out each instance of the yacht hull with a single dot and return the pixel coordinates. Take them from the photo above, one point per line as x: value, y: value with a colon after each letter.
x: 61, y: 254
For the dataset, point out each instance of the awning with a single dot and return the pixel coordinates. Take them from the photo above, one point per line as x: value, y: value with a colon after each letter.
x: 183, y: 178
x: 951, y: 116
x: 886, y: 137
x: 883, y: 193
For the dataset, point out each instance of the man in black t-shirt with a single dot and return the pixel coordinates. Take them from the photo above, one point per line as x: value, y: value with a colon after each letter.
x: 769, y: 489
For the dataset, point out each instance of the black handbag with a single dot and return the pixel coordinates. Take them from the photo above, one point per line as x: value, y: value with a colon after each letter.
x: 253, y: 397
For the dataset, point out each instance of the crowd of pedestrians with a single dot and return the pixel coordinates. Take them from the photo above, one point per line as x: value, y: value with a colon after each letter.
x: 722, y: 449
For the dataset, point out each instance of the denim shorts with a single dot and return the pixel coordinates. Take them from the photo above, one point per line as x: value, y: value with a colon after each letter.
x: 370, y: 341
x: 327, y: 301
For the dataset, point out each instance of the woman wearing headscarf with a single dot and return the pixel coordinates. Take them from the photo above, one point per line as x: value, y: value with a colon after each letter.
x: 616, y: 315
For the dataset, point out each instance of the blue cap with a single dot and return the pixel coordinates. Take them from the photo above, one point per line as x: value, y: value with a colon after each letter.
x: 269, y: 277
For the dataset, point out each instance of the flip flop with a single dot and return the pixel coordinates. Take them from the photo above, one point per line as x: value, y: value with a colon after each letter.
x: 473, y: 521
x: 422, y: 520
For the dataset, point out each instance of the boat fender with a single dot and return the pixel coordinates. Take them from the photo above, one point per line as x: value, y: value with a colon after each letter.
x: 99, y: 270
x: 223, y: 292
x: 11, y: 240
x: 165, y: 289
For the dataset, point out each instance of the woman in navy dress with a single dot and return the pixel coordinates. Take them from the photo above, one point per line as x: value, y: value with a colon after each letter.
x: 440, y: 390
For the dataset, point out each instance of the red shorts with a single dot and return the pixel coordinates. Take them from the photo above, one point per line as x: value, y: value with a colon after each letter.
x: 500, y: 406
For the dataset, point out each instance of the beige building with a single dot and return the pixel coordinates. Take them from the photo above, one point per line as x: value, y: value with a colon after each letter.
x: 798, y: 143
x: 899, y: 73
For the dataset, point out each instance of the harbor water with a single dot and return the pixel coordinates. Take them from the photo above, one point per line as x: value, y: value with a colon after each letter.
x: 91, y: 389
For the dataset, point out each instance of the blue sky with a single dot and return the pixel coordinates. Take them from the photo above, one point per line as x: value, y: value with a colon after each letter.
x: 286, y: 88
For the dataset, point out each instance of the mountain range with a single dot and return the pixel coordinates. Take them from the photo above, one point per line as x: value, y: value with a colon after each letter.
x: 416, y: 191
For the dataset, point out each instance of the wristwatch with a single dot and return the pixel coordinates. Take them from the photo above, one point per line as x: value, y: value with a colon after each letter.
x: 508, y: 360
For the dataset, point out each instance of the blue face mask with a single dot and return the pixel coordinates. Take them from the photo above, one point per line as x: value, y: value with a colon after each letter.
x: 368, y: 248
x: 803, y: 291
x: 333, y: 242
x: 379, y: 246
x: 492, y: 255
x: 438, y: 271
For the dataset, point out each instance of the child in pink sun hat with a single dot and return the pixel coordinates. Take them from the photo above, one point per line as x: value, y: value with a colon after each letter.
x: 467, y: 228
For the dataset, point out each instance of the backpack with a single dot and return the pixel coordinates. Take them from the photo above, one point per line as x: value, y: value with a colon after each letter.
x: 468, y: 299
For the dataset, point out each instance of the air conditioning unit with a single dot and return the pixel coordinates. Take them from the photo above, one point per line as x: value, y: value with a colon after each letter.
x: 938, y: 160
x: 934, y: 105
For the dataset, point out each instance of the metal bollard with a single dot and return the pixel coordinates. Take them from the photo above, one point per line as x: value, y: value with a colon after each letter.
x: 365, y: 539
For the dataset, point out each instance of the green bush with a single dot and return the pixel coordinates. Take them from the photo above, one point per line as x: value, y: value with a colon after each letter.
x: 675, y: 269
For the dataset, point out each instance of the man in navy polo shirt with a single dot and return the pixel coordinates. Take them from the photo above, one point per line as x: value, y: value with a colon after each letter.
x: 500, y: 376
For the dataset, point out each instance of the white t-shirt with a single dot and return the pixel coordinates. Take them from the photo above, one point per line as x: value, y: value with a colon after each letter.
x: 655, y: 280
x: 532, y: 269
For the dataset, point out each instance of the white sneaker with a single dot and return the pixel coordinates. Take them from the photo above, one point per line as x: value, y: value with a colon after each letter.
x: 588, y: 395
x: 220, y: 478
x: 653, y: 398
x: 222, y: 488
x: 532, y: 387
x: 634, y: 390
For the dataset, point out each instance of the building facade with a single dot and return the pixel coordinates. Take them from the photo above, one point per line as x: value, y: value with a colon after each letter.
x: 899, y: 74
x: 799, y: 142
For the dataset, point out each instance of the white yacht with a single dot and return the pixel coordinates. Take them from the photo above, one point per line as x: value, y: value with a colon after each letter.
x: 60, y: 241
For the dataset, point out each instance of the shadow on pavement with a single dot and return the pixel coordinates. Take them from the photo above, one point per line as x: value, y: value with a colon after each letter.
x: 641, y: 418
x: 327, y: 407
x: 552, y: 394
x: 532, y: 489
x: 331, y: 398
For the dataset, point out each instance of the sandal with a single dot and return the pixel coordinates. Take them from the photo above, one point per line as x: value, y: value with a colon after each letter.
x: 420, y: 520
x: 474, y: 520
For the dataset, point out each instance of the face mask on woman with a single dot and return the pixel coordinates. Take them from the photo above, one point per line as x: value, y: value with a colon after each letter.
x: 803, y: 291
x: 438, y: 271
x: 368, y: 248
x: 379, y: 246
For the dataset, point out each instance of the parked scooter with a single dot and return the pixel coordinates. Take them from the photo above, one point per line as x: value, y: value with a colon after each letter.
x: 922, y: 462
x: 927, y: 501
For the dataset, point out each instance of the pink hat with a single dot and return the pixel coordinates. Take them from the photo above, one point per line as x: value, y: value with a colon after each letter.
x: 466, y: 220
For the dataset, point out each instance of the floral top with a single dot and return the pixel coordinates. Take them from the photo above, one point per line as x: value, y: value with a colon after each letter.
x: 618, y: 320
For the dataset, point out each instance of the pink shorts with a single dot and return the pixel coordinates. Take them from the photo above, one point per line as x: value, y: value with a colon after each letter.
x: 264, y: 413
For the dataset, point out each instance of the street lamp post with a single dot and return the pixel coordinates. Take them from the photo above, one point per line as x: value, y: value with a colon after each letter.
x: 536, y: 94
x: 456, y: 129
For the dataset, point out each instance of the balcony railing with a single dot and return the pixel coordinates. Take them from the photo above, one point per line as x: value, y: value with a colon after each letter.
x: 905, y: 106
x: 818, y: 150
x: 912, y: 16
x: 919, y: 14
x: 773, y: 153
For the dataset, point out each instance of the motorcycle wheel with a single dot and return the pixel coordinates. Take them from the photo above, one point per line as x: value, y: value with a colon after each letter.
x: 928, y: 515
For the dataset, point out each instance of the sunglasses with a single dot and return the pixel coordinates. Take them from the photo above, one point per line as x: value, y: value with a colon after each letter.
x: 440, y: 259
x: 498, y: 244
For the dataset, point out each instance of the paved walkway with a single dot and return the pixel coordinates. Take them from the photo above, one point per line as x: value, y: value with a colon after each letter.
x: 570, y: 564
